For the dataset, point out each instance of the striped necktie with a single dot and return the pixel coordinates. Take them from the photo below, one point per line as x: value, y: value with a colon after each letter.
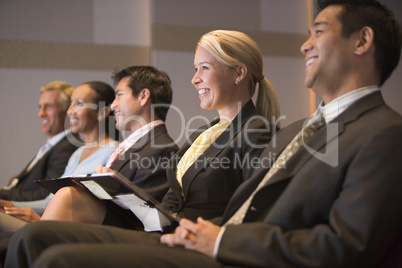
x: 312, y: 126
x: 116, y: 154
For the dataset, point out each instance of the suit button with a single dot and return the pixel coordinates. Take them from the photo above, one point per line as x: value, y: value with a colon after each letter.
x: 253, y: 208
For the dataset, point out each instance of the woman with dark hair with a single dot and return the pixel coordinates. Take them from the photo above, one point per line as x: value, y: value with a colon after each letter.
x: 88, y: 115
x: 105, y: 97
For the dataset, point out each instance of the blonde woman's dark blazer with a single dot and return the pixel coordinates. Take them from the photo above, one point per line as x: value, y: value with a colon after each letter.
x: 209, y: 183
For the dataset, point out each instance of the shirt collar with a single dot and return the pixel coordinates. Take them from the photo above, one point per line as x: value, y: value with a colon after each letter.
x: 139, y: 133
x: 58, y: 137
x: 337, y: 106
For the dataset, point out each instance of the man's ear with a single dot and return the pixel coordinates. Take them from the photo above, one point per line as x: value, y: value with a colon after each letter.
x: 103, y: 113
x: 241, y: 73
x: 144, y: 96
x: 365, y: 41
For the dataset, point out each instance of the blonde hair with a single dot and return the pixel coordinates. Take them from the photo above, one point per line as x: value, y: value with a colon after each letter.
x: 234, y: 48
x: 65, y: 91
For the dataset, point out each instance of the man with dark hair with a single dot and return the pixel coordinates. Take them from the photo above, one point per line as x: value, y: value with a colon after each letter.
x: 330, y: 200
x: 143, y: 98
x: 356, y: 14
x: 148, y: 76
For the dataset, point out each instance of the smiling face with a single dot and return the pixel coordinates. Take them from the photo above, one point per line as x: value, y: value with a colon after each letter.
x: 127, y: 108
x: 51, y: 113
x: 328, y: 55
x: 83, y: 112
x: 215, y: 83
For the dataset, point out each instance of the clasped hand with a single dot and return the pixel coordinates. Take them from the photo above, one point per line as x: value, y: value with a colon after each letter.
x: 200, y: 236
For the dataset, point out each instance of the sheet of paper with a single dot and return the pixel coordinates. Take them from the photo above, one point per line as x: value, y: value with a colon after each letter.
x: 96, y: 189
x: 147, y: 215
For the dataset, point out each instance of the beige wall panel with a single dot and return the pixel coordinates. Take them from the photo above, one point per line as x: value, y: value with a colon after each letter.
x: 24, y: 54
x: 285, y: 16
x: 228, y: 14
x: 183, y: 38
x: 176, y: 38
x: 122, y: 22
x: 46, y: 20
x: 279, y: 44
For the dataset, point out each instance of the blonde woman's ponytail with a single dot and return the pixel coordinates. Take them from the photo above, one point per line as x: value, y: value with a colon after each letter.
x: 267, y: 101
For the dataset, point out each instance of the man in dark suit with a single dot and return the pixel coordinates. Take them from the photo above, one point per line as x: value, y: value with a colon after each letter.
x: 334, y: 202
x: 143, y: 98
x: 51, y: 162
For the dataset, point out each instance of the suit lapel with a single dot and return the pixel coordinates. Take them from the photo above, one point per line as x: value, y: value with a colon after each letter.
x: 138, y: 146
x: 44, y: 156
x: 24, y: 172
x: 280, y: 141
x: 247, y: 111
x: 173, y: 162
x: 275, y: 147
x: 326, y: 139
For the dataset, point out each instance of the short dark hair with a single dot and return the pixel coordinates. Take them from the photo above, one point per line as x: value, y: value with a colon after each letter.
x: 156, y: 81
x: 356, y: 14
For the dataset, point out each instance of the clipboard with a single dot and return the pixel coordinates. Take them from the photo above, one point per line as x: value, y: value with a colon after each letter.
x: 118, y: 189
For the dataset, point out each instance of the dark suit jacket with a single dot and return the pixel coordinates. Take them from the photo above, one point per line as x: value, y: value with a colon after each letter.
x: 338, y: 209
x: 145, y: 163
x: 210, y: 182
x: 50, y: 166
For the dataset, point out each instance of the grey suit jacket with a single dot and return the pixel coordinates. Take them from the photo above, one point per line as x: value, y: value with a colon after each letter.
x: 337, y: 209
x: 145, y: 163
